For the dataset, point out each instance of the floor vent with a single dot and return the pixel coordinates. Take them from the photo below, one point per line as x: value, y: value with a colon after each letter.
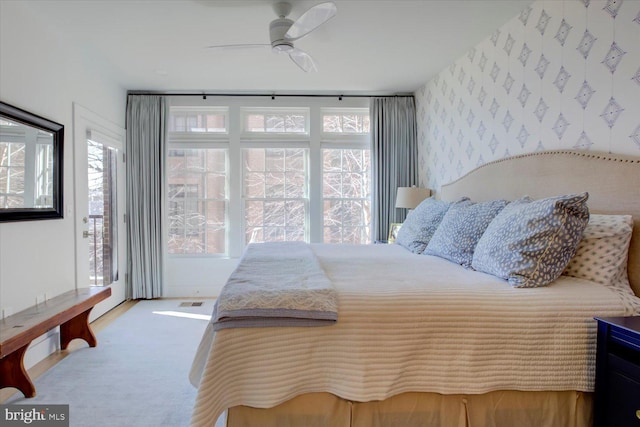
x: 191, y: 304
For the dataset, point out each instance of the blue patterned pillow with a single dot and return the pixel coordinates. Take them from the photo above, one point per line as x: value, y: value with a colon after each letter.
x: 461, y: 228
x: 531, y: 242
x: 421, y: 223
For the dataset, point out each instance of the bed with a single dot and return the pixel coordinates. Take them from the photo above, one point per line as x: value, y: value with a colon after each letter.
x: 399, y: 354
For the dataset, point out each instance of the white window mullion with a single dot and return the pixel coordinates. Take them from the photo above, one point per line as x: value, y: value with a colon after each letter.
x: 315, y: 177
x: 236, y: 230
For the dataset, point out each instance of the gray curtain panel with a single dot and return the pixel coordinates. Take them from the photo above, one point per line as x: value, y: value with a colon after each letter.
x: 395, y: 157
x: 145, y: 167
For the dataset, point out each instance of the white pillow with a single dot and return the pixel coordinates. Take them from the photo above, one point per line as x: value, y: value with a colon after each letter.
x: 603, y: 252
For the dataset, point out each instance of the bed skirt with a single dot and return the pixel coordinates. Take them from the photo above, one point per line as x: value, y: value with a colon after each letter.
x: 498, y: 408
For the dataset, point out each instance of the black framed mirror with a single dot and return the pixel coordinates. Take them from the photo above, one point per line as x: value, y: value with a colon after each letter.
x: 31, y: 166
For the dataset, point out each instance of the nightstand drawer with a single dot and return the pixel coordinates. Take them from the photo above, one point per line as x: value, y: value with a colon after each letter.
x: 623, y: 364
x: 617, y: 399
x: 623, y: 401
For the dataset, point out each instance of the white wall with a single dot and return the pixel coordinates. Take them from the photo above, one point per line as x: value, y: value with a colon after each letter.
x: 39, y: 73
x: 545, y: 80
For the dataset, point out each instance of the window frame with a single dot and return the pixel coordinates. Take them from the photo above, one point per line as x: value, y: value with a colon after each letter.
x: 343, y: 141
x: 344, y: 137
x: 271, y: 136
x: 213, y: 109
x: 200, y: 142
x: 305, y: 199
x: 343, y: 198
x: 236, y: 139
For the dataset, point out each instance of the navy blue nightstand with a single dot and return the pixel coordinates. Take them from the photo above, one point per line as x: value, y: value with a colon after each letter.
x: 617, y: 400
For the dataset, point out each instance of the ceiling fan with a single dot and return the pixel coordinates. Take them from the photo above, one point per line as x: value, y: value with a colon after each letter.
x: 283, y: 32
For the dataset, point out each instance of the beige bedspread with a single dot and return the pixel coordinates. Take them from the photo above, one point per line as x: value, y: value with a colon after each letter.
x: 409, y: 323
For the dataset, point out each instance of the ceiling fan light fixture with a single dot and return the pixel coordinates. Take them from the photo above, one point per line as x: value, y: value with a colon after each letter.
x: 283, y: 47
x: 283, y: 32
x: 277, y: 30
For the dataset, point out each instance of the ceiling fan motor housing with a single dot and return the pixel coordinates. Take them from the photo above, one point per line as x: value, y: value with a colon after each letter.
x: 277, y: 29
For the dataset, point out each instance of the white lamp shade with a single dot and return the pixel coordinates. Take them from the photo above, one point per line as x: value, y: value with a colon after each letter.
x: 410, y: 197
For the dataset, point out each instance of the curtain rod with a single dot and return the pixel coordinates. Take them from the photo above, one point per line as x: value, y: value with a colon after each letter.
x: 271, y: 95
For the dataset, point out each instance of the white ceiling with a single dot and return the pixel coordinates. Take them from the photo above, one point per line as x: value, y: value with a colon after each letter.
x: 369, y: 47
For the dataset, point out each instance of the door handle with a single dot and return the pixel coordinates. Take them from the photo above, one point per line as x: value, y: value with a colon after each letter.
x: 86, y: 234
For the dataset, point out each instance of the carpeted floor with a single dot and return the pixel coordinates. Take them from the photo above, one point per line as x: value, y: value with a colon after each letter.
x: 137, y: 376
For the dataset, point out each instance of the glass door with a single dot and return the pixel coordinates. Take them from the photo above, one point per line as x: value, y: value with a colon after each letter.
x: 99, y: 206
x: 102, y: 221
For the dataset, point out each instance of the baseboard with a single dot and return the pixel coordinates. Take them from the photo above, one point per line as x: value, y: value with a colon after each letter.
x: 191, y: 292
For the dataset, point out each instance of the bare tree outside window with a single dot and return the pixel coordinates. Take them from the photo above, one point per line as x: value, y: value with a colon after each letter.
x: 196, y: 183
x: 346, y: 123
x: 281, y: 122
x: 269, y: 174
x: 346, y: 177
x: 102, y: 225
x: 275, y: 194
x: 346, y: 190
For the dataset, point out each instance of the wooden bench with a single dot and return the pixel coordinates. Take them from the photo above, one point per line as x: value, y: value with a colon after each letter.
x: 70, y: 311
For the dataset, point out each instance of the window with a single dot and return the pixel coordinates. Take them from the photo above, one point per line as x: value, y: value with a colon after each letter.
x: 259, y: 170
x: 275, y: 194
x: 184, y: 209
x: 201, y: 119
x: 349, y: 121
x: 346, y: 192
x: 346, y: 176
x: 197, y: 201
x: 276, y: 120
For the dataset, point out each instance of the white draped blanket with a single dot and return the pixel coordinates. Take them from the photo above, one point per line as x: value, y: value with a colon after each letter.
x: 409, y: 323
x: 276, y: 284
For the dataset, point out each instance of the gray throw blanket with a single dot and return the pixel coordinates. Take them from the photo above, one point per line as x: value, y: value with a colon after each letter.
x: 276, y: 284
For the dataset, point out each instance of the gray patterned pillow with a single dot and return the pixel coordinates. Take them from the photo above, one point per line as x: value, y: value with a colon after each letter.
x: 421, y: 223
x: 603, y: 251
x: 530, y: 242
x: 461, y: 228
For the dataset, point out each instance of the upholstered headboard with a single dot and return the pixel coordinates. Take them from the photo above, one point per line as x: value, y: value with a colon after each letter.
x: 613, y: 183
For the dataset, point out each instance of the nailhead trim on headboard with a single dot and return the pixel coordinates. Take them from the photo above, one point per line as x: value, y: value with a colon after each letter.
x: 588, y: 154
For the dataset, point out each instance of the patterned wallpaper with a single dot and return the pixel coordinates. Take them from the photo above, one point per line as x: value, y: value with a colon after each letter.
x: 563, y: 74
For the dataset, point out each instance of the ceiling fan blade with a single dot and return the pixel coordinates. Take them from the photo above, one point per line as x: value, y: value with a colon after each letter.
x: 311, y: 19
x: 238, y: 46
x: 302, y: 60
